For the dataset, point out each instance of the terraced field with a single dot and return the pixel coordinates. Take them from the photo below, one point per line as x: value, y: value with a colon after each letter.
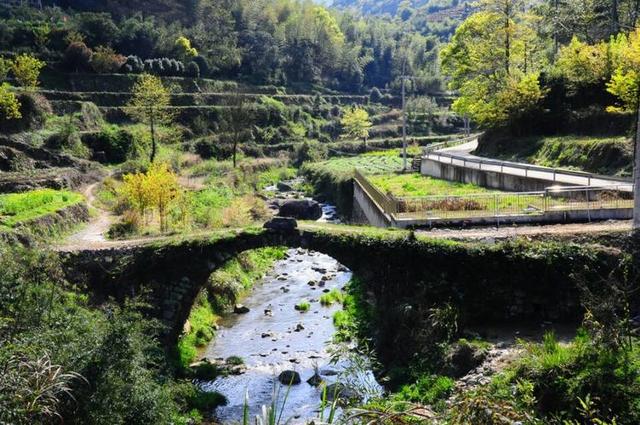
x: 17, y: 208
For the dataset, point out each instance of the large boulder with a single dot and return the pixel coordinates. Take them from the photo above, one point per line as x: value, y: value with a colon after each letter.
x: 341, y: 392
x: 289, y: 377
x: 284, y: 187
x: 282, y: 224
x: 302, y: 209
x: 462, y: 357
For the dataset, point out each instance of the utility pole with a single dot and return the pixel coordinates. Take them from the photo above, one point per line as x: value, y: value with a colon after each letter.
x: 404, y: 123
x: 636, y: 175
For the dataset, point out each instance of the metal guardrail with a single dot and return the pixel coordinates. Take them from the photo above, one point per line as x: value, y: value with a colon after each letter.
x: 525, y: 170
x: 449, y: 143
x: 388, y: 204
x: 503, y: 204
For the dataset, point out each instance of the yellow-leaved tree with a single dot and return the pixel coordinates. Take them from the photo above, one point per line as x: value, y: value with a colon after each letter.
x: 150, y: 104
x: 164, y: 189
x: 136, y: 191
x: 356, y: 123
x: 26, y: 70
x: 156, y: 189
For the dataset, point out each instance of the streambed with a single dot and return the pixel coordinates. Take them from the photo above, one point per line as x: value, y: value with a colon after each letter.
x: 273, y: 337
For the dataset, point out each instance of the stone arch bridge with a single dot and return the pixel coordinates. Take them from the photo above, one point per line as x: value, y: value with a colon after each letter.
x: 403, y: 275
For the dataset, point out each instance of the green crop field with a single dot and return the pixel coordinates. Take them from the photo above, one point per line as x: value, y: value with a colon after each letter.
x: 401, y: 185
x: 16, y: 208
x: 368, y: 164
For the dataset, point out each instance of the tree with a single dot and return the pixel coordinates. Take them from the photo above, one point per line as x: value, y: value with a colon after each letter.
x: 157, y: 188
x: 137, y: 193
x: 582, y: 64
x: 5, y: 67
x: 356, y: 123
x: 492, y: 56
x: 77, y: 56
x: 26, y: 70
x: 150, y: 104
x: 184, y: 50
x: 163, y: 188
x: 237, y: 117
x: 105, y: 60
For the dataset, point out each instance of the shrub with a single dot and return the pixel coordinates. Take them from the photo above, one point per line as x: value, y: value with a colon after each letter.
x: 375, y: 95
x: 116, y: 143
x: 105, y: 60
x: 203, y: 65
x: 192, y: 70
x: 133, y: 65
x: 309, y: 151
x: 26, y: 70
x: 77, y: 57
x: 34, y: 110
x: 9, y: 105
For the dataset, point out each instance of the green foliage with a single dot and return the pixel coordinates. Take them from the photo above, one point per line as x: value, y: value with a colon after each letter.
x: 303, y: 306
x: 26, y: 70
x: 9, y: 104
x: 334, y: 296
x: 17, y: 208
x: 105, y: 60
x: 356, y: 123
x: 149, y: 105
x: 583, y: 64
x: 426, y: 390
x: 574, y: 381
x: 309, y: 151
x: 356, y: 317
x: 121, y: 379
x: 596, y: 154
x: 494, y: 59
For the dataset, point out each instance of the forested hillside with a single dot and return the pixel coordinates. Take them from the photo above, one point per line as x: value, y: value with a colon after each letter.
x: 264, y: 42
x: 429, y: 17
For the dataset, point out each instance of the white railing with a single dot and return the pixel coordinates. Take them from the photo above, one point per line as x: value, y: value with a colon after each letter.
x: 558, y: 175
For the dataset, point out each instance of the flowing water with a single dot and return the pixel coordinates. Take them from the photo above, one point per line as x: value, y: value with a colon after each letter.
x: 273, y: 336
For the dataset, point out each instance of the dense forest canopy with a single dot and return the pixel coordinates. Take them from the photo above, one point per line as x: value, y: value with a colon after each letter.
x: 429, y: 17
x: 515, y: 64
x: 279, y: 42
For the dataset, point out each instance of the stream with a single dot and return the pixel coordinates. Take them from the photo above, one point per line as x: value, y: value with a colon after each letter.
x: 273, y: 337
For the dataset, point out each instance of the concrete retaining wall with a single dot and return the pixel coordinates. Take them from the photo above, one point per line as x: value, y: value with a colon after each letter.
x: 490, y: 179
x: 365, y: 210
x: 550, y: 217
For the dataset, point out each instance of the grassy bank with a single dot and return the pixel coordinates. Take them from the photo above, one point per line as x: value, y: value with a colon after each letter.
x: 611, y: 155
x: 19, y: 208
x: 226, y: 285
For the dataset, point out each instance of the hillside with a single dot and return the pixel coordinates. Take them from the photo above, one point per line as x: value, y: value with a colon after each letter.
x: 434, y: 17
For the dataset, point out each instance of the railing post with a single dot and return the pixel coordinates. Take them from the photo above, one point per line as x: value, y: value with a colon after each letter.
x: 588, y: 205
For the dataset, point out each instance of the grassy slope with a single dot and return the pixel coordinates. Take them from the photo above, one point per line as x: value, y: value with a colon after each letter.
x: 17, y: 208
x: 604, y: 155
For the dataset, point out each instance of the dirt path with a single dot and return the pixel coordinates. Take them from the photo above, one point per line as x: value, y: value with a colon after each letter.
x: 94, y: 232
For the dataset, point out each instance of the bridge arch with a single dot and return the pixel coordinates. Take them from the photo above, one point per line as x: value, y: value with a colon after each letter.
x: 403, y: 275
